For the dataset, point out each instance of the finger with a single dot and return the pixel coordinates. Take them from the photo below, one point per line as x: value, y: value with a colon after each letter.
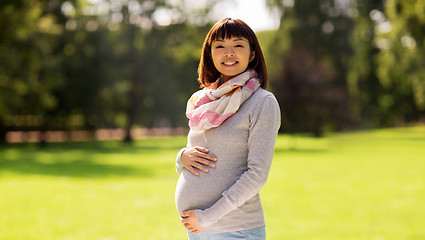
x: 202, y: 149
x: 207, y: 156
x: 192, y: 170
x: 206, y: 162
x: 200, y: 167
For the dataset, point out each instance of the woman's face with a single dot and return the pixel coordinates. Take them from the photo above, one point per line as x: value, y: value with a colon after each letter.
x: 231, y: 56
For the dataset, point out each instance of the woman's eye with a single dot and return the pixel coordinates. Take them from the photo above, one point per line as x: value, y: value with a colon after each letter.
x: 219, y: 46
x: 238, y: 45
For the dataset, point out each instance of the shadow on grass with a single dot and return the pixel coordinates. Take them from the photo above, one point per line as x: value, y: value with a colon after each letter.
x: 77, y: 168
x: 83, y: 160
x: 103, y: 146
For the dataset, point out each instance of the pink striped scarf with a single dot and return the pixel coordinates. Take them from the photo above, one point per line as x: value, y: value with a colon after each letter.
x: 211, y: 106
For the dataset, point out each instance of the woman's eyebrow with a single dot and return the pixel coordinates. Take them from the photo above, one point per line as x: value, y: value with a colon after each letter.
x: 236, y: 39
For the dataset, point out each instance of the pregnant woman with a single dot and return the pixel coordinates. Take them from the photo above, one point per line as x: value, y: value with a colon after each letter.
x: 233, y: 123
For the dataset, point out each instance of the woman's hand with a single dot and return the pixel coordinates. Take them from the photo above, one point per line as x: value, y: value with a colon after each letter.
x: 190, y: 221
x: 197, y: 157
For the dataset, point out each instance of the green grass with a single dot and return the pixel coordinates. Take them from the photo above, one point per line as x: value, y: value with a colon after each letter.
x: 364, y: 185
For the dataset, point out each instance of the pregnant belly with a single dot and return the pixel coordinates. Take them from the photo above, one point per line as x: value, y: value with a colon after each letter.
x: 200, y: 192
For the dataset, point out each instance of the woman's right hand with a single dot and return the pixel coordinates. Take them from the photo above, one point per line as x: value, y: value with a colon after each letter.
x: 197, y: 158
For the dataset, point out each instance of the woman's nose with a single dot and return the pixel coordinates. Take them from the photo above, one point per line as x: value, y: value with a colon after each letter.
x: 229, y: 53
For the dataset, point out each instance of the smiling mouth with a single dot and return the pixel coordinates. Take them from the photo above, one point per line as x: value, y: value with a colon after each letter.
x: 230, y: 63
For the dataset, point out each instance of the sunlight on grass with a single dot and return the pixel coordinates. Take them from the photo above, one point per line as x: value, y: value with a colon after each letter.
x: 349, y: 186
x: 362, y: 185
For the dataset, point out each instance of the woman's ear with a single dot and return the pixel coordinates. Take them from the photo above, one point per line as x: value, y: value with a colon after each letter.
x: 252, y: 56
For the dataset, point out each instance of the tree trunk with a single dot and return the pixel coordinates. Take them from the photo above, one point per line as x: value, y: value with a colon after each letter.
x: 135, y: 79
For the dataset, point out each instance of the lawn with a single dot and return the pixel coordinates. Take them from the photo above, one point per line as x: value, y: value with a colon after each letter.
x: 362, y: 185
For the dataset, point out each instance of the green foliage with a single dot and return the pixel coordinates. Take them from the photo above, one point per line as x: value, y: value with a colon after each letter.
x: 402, y: 58
x: 351, y: 64
x: 28, y: 61
x: 363, y: 185
x: 77, y: 65
x: 363, y: 85
x: 385, y: 78
x: 333, y: 65
x: 310, y: 81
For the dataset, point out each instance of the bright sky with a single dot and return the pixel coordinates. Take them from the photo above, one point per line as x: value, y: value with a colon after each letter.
x: 253, y: 12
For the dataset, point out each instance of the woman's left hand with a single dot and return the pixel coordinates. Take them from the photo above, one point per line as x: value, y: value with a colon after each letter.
x: 190, y: 221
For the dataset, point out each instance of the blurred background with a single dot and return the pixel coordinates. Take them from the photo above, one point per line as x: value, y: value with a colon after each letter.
x: 69, y: 69
x: 352, y: 71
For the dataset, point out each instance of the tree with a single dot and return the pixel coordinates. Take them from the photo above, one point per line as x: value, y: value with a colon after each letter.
x: 143, y: 26
x: 400, y: 38
x: 386, y: 74
x: 68, y: 65
x: 29, y: 68
x: 314, y: 65
x: 362, y: 82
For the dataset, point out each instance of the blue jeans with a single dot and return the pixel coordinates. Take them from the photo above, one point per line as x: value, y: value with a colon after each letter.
x: 249, y: 234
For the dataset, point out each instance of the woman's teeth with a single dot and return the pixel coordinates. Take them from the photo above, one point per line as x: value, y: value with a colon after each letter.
x: 229, y: 63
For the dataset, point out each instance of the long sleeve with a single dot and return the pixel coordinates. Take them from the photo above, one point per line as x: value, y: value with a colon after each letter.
x: 264, y: 126
x: 179, y: 165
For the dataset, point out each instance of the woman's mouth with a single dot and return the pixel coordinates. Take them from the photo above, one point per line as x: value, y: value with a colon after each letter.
x: 230, y: 63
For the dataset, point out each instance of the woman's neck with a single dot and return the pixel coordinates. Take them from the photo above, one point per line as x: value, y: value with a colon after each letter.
x: 220, y: 82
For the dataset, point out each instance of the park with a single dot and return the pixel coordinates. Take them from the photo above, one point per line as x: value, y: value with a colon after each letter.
x: 360, y: 185
x: 92, y: 115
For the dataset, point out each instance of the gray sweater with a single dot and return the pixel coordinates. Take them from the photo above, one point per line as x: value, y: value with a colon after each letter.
x: 227, y: 197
